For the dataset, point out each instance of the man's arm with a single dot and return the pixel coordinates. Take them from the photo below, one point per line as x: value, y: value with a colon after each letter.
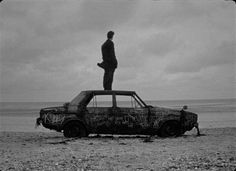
x: 112, y: 50
x: 112, y: 53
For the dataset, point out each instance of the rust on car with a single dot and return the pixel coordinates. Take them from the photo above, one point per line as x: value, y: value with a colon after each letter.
x: 85, y: 114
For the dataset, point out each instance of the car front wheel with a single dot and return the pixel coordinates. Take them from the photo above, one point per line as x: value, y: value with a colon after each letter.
x: 74, y: 129
x: 170, y: 129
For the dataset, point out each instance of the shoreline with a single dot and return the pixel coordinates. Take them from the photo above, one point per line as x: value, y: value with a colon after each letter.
x: 215, y: 150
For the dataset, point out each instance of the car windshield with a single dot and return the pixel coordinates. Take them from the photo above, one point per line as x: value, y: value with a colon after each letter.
x: 78, y: 98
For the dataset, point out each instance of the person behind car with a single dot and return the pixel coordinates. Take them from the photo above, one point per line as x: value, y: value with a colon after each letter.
x: 109, y: 63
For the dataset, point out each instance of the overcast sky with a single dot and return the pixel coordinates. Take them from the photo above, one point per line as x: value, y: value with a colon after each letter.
x: 165, y: 49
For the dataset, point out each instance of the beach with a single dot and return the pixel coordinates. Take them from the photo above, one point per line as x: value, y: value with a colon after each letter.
x: 22, y: 147
x: 215, y: 150
x: 83, y: 67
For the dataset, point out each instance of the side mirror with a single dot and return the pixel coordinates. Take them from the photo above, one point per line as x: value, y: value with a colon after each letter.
x: 185, y: 107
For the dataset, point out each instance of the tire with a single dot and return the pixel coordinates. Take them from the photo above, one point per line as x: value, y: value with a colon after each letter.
x: 74, y: 129
x: 170, y: 129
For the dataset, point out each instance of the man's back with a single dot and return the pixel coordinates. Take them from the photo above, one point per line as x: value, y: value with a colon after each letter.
x: 108, y: 54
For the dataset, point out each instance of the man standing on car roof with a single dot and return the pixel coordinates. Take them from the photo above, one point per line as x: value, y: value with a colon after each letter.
x: 109, y: 63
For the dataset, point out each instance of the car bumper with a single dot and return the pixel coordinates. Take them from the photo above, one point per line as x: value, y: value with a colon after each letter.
x: 38, y: 122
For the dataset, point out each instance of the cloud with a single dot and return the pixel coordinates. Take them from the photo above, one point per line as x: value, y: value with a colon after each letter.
x: 49, y: 49
x: 212, y: 56
x: 161, y: 44
x: 32, y: 29
x: 100, y: 15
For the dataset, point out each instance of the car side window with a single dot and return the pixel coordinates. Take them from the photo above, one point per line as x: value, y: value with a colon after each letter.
x: 101, y: 101
x: 126, y: 101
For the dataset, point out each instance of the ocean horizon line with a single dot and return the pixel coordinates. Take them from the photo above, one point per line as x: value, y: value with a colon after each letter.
x: 164, y: 100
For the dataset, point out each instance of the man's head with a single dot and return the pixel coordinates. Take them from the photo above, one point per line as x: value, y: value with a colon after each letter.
x: 110, y: 34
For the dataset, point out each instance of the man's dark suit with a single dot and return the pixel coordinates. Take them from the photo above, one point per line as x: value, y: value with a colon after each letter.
x: 109, y: 63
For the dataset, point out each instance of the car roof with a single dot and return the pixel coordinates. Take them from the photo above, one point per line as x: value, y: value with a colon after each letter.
x: 109, y: 92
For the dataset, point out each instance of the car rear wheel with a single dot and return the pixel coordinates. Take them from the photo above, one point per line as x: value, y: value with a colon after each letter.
x: 170, y: 129
x: 74, y: 129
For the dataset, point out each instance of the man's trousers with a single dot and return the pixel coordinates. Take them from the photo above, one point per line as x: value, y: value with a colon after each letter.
x: 108, y: 78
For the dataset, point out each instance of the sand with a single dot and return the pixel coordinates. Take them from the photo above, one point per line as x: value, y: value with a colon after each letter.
x: 216, y: 150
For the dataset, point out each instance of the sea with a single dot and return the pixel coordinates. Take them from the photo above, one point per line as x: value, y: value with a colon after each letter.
x: 212, y: 113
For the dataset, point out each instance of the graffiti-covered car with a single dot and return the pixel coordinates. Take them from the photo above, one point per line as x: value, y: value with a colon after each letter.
x: 115, y: 112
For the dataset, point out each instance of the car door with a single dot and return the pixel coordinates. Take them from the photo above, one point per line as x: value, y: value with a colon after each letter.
x: 131, y: 117
x: 100, y: 116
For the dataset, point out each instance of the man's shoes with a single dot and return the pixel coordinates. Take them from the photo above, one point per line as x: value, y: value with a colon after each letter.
x: 101, y: 65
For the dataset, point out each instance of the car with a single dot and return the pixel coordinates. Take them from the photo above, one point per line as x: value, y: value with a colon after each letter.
x: 115, y: 112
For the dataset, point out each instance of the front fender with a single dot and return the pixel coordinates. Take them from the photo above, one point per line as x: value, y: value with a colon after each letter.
x: 159, y: 121
x: 68, y: 121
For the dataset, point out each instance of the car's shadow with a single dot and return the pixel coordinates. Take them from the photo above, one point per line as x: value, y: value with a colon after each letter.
x: 63, y: 140
x: 144, y: 138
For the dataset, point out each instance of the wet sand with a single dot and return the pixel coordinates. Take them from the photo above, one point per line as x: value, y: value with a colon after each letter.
x: 216, y: 150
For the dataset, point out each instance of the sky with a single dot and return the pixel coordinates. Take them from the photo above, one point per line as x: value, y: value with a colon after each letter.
x: 166, y: 50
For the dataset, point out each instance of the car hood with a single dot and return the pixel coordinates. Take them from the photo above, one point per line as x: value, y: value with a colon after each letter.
x: 164, y: 111
x: 57, y: 109
x: 174, y: 113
